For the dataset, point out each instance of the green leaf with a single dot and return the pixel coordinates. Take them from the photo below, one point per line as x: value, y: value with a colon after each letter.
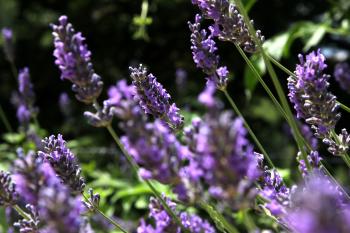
x: 316, y: 37
x: 14, y: 138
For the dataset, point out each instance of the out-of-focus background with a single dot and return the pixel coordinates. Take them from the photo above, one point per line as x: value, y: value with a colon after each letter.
x: 121, y: 33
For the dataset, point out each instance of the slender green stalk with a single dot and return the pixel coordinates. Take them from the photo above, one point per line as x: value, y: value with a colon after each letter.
x: 21, y: 212
x: 4, y: 120
x: 250, y: 131
x: 290, y: 73
x: 218, y: 218
x: 276, y: 83
x: 248, y: 221
x: 149, y: 183
x: 110, y: 220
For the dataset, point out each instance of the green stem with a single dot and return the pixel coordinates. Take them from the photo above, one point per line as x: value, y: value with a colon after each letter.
x: 21, y: 212
x: 344, y: 107
x: 218, y: 217
x: 150, y: 185
x: 4, y: 120
x: 250, y: 131
x: 276, y: 83
x: 248, y: 221
x: 110, y: 220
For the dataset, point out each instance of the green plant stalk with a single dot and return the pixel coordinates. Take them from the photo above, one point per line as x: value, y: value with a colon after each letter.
x: 4, y: 120
x: 344, y: 156
x: 228, y: 227
x: 136, y: 168
x: 21, y: 212
x: 248, y: 221
x: 290, y: 73
x: 277, y: 84
x: 250, y: 131
x: 110, y: 220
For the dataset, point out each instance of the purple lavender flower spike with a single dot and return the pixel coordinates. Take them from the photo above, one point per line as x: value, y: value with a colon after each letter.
x: 8, y: 44
x: 57, y: 209
x: 314, y: 160
x: 164, y: 223
x: 8, y: 194
x: 308, y: 91
x: 63, y: 162
x: 342, y: 75
x: 318, y: 206
x: 203, y: 50
x: 25, y: 98
x: 73, y: 59
x: 154, y: 99
x: 275, y: 191
x: 223, y: 159
x: 229, y: 24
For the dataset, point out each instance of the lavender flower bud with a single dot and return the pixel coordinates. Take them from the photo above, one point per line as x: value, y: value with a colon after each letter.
x: 8, y: 194
x: 341, y: 146
x: 93, y: 201
x: 8, y: 44
x: 103, y: 117
x: 154, y: 99
x: 203, y: 50
x: 342, y: 75
x: 308, y: 92
x: 64, y: 162
x: 73, y: 59
x: 314, y: 161
x: 164, y: 222
x: 31, y: 225
x: 229, y: 24
x: 274, y: 190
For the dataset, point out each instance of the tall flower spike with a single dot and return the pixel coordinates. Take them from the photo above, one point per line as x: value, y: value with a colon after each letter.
x: 229, y: 24
x: 203, y: 49
x: 8, y: 194
x: 308, y: 91
x: 25, y: 98
x: 58, y: 210
x: 342, y: 75
x: 164, y: 222
x: 223, y: 159
x: 73, y: 59
x: 154, y: 99
x: 63, y: 162
x: 8, y: 44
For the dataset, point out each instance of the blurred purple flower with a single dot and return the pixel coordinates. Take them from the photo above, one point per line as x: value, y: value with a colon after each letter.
x: 342, y: 75
x: 8, y: 194
x: 73, y: 59
x: 7, y: 35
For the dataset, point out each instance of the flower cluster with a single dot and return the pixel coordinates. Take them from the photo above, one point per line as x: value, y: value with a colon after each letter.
x: 30, y: 225
x: 8, y: 44
x: 314, y: 161
x: 342, y: 75
x: 64, y: 162
x: 223, y: 160
x: 74, y: 61
x: 308, y: 91
x: 203, y: 49
x: 8, y: 194
x: 318, y: 206
x: 229, y: 24
x: 156, y: 149
x: 153, y: 98
x: 164, y: 222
